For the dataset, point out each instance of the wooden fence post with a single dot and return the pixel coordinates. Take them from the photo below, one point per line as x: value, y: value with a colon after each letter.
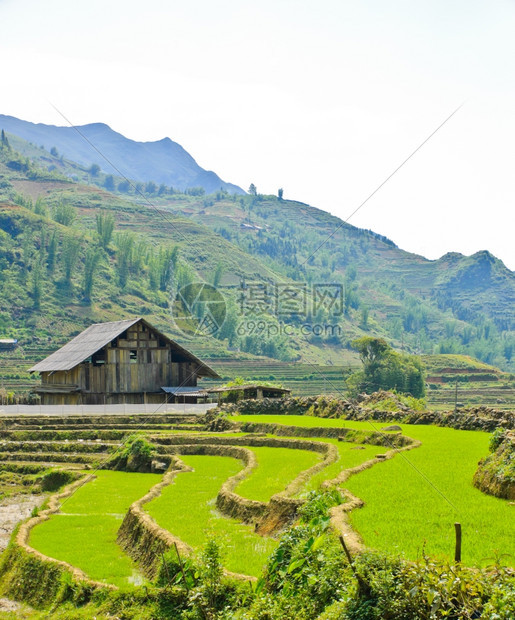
x: 457, y: 549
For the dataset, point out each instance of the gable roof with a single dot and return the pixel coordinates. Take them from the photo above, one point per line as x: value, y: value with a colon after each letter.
x: 95, y: 337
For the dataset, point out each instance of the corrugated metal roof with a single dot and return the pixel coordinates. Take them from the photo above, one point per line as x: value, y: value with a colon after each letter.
x: 97, y: 336
x: 249, y: 386
x: 185, y: 391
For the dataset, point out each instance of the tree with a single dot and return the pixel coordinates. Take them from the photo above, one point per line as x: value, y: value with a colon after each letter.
x: 386, y: 369
x: 364, y: 317
x: 167, y: 263
x: 36, y: 285
x: 109, y: 183
x: 124, y: 187
x: 125, y: 245
x: 94, y: 170
x: 64, y: 213
x: 54, y: 152
x: 91, y: 261
x: 40, y: 207
x: 105, y: 228
x: 217, y: 274
x: 280, y: 192
x: 151, y: 187
x: 70, y: 255
x: 4, y: 141
x: 52, y: 252
x: 252, y: 190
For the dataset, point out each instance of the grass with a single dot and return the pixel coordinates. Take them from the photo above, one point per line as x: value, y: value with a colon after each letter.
x: 277, y: 467
x: 303, y: 421
x: 413, y: 500
x: 84, y: 532
x: 186, y: 508
x: 350, y: 456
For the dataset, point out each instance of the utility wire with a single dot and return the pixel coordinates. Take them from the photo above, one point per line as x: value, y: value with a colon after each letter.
x: 382, y: 184
x: 402, y: 454
x: 161, y: 213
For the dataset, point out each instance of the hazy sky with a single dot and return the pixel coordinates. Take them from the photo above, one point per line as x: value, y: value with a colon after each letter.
x: 322, y: 98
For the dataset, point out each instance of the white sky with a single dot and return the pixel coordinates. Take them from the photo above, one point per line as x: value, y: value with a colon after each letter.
x: 323, y: 98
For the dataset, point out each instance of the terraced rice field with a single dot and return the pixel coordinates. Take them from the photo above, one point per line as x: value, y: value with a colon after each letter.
x: 187, y: 509
x: 411, y: 501
x: 277, y: 467
x: 84, y: 532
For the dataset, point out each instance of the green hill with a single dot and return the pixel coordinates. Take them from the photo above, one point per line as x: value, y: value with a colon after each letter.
x: 298, y: 284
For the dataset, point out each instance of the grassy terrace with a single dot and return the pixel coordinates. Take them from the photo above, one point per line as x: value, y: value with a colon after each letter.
x: 277, y: 467
x: 350, y: 456
x: 413, y: 500
x: 187, y: 509
x: 84, y: 532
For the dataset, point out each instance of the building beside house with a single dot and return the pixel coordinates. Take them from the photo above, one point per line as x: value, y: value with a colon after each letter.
x: 121, y: 362
x: 8, y: 344
x: 247, y: 391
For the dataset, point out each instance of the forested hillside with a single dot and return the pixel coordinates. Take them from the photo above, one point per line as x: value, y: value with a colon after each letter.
x: 297, y: 283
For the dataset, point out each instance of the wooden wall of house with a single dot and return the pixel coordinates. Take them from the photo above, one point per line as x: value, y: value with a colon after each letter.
x: 136, y: 365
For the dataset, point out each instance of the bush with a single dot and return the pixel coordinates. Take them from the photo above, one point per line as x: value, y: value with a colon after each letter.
x: 54, y: 480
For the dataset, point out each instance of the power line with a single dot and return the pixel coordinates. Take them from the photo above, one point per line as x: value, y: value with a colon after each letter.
x: 382, y: 184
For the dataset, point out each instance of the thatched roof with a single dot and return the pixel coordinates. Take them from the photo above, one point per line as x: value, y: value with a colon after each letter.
x: 95, y: 337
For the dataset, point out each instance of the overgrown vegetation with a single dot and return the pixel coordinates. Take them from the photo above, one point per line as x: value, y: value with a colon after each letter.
x: 385, y: 369
x: 496, y: 473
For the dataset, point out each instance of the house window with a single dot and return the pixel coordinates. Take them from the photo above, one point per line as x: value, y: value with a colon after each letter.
x: 149, y: 357
x: 133, y: 356
x: 99, y: 358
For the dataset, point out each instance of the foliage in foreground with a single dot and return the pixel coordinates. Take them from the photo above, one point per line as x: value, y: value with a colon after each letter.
x: 306, y: 578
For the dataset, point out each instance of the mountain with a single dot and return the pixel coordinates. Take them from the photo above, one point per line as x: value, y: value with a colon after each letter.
x: 298, y: 283
x: 164, y: 161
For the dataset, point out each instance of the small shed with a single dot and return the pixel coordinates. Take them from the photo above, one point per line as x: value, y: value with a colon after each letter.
x: 8, y: 344
x: 120, y: 362
x: 249, y: 391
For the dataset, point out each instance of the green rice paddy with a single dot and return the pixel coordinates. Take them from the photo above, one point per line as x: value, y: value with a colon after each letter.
x: 350, y: 455
x: 277, y: 467
x: 186, y: 508
x: 84, y: 532
x: 413, y: 500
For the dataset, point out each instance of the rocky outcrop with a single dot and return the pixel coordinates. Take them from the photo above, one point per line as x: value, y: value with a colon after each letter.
x: 320, y: 406
x: 466, y: 418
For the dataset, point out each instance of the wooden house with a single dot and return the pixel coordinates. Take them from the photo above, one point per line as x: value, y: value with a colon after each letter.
x: 120, y: 362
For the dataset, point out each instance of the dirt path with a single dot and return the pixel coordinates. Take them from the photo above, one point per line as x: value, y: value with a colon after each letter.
x: 12, y: 510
